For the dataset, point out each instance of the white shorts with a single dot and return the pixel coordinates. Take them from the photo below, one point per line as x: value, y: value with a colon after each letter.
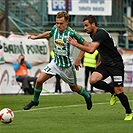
x: 68, y: 75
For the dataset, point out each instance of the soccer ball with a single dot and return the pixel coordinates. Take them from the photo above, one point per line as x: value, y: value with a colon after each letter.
x: 6, y: 115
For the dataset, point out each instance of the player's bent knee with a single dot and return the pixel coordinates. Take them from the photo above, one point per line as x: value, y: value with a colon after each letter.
x: 39, y: 82
x: 75, y: 88
x: 92, y: 81
x: 118, y: 90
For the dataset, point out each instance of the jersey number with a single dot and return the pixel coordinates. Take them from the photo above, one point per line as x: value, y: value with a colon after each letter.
x: 47, y: 69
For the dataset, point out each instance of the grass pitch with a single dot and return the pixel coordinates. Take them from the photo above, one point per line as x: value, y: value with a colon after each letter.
x: 66, y: 114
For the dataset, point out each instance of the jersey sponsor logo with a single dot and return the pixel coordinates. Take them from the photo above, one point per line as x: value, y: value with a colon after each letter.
x: 117, y: 78
x: 59, y: 43
x: 119, y: 83
x: 61, y: 52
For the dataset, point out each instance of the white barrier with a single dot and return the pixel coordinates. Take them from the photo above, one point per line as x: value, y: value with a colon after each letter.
x: 37, y: 51
x: 8, y: 84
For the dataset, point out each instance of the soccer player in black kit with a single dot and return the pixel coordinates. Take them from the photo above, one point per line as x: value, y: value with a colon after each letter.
x: 111, y: 63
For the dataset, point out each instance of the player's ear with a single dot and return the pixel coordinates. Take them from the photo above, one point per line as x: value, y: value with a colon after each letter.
x: 67, y: 22
x: 93, y: 24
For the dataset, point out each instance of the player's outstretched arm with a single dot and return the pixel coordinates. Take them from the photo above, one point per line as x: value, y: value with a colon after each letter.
x: 80, y: 56
x: 40, y: 36
x: 89, y: 48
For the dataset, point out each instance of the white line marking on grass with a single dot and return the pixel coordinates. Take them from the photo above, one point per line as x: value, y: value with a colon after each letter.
x: 69, y: 106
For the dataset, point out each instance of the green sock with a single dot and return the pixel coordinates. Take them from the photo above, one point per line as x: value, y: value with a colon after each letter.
x: 37, y: 92
x: 84, y: 93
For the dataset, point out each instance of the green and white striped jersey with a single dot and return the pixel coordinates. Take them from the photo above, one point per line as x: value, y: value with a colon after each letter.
x: 62, y: 49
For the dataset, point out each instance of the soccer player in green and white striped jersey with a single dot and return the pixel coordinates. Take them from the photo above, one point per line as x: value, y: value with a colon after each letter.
x: 62, y: 64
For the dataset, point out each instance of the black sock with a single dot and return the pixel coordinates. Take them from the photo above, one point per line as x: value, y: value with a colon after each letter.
x: 104, y: 86
x: 124, y: 101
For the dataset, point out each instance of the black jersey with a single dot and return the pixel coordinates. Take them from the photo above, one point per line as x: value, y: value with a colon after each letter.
x: 108, y: 52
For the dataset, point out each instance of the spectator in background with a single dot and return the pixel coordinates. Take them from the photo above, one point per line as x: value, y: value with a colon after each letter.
x: 58, y: 78
x: 21, y: 72
x: 89, y: 62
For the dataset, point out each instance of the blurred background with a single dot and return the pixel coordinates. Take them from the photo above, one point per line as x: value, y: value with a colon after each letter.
x: 24, y: 17
x: 37, y: 16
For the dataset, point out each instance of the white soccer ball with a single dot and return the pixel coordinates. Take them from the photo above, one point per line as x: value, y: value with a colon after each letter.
x: 6, y: 115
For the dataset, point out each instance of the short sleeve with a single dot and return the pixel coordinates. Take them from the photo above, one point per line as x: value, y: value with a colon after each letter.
x: 100, y: 36
x: 78, y: 37
x: 52, y: 30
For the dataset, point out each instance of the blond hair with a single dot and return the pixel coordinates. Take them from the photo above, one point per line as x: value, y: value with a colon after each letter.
x: 63, y: 14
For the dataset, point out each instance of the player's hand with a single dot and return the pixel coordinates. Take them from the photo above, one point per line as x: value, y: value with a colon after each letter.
x: 77, y: 64
x: 72, y: 41
x: 32, y: 37
x: 20, y: 58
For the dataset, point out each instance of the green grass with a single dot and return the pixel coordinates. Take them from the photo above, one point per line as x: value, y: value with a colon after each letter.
x: 66, y: 114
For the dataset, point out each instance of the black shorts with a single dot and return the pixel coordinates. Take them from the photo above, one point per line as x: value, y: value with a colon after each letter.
x: 116, y: 72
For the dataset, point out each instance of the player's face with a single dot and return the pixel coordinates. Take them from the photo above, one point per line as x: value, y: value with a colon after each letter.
x: 61, y: 24
x: 88, y: 27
